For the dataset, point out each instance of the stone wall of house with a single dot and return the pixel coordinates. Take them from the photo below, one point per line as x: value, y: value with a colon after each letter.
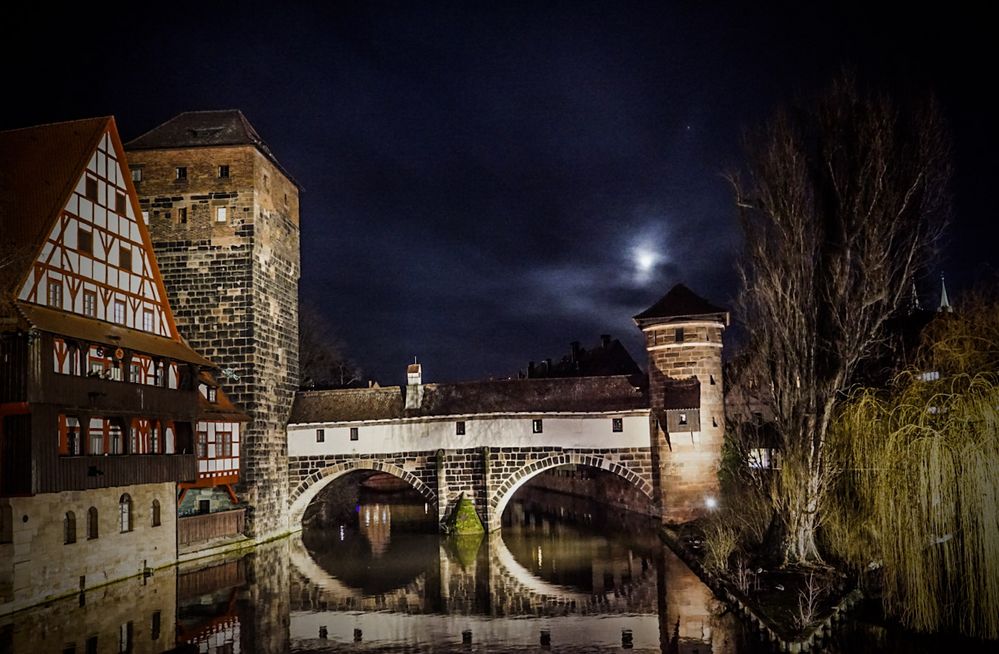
x: 232, y: 281
x: 43, y: 565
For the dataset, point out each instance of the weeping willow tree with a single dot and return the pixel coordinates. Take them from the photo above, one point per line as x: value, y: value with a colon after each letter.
x: 921, y: 484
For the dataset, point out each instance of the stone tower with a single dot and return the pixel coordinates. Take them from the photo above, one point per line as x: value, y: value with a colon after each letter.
x: 223, y: 216
x: 683, y: 337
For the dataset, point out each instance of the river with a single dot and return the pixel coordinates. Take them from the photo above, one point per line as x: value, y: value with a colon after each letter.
x: 563, y: 575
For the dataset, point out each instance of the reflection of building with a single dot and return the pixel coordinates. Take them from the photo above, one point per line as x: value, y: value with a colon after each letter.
x: 223, y: 215
x: 97, y: 393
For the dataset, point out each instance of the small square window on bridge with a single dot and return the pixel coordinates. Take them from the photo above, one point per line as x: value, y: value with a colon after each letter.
x: 459, y: 428
x: 537, y: 426
x: 353, y: 433
x: 320, y: 435
x: 617, y: 424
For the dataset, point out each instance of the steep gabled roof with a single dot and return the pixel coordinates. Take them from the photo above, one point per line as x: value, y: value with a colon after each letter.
x: 38, y: 168
x: 680, y: 302
x: 200, y: 129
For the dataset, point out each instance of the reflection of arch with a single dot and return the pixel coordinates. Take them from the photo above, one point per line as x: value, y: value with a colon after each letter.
x: 502, y: 496
x: 316, y: 482
x: 506, y: 565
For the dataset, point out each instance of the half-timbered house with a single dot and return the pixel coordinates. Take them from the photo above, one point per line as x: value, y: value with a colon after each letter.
x: 100, y: 410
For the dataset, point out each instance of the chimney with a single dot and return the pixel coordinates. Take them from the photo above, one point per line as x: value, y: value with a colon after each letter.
x: 414, y: 386
x: 605, y: 341
x: 574, y: 348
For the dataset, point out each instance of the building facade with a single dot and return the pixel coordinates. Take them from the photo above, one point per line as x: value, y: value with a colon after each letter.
x: 224, y: 219
x: 98, y: 404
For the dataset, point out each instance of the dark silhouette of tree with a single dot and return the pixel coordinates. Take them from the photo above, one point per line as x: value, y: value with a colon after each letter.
x: 321, y: 360
x: 842, y: 206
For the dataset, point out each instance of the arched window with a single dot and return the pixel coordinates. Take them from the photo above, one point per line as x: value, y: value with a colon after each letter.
x: 69, y: 528
x: 156, y: 513
x: 92, y: 523
x: 125, y: 513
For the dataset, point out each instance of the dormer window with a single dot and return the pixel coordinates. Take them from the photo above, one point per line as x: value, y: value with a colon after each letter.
x: 213, y: 394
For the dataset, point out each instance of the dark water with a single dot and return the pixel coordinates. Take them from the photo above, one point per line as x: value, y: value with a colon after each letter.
x: 562, y: 576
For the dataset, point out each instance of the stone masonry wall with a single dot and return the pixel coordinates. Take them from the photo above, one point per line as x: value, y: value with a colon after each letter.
x: 233, y: 287
x: 688, y: 467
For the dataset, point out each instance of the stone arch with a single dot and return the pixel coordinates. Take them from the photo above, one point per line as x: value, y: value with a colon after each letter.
x: 502, y: 495
x: 311, y: 486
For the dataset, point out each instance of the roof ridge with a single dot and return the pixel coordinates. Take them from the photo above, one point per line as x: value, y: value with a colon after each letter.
x: 57, y: 123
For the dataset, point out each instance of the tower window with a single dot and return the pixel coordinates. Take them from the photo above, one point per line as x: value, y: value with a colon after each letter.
x: 220, y: 214
x: 181, y: 173
x: 224, y: 172
x: 320, y: 435
x: 136, y: 175
x: 678, y: 335
x: 617, y: 424
x: 182, y: 215
x: 459, y: 428
x: 537, y: 426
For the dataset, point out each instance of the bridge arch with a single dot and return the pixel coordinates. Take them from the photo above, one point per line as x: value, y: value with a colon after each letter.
x: 312, y: 485
x: 502, y: 496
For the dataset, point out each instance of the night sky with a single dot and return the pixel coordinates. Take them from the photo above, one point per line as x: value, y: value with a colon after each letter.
x: 484, y: 185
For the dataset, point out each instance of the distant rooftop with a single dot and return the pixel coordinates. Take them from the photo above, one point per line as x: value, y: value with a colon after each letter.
x: 196, y: 129
x: 680, y: 302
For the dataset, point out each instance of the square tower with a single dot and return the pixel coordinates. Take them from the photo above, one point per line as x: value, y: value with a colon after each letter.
x: 683, y: 338
x: 224, y: 219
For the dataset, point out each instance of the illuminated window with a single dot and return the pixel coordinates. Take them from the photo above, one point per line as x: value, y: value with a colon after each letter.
x: 683, y: 418
x: 181, y: 173
x: 182, y: 215
x: 213, y: 394
x: 224, y: 172
x: 320, y: 435
x: 119, y: 312
x: 147, y: 320
x: 220, y: 214
x: 125, y: 513
x: 55, y: 293
x: 537, y: 426
x: 459, y: 428
x: 137, y: 175
x: 90, y: 304
x: 617, y: 424
x: 202, y: 445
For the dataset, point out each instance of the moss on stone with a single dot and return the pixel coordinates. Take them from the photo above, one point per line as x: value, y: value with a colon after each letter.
x: 464, y: 520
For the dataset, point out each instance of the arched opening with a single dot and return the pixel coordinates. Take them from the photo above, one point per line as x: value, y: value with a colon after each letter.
x: 156, y: 513
x: 125, y: 513
x: 371, y: 530
x: 92, y: 531
x: 69, y: 528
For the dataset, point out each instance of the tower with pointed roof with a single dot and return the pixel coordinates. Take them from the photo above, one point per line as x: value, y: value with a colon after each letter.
x: 224, y: 218
x: 683, y: 339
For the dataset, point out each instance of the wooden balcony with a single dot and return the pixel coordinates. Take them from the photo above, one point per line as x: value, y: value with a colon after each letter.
x: 208, y: 526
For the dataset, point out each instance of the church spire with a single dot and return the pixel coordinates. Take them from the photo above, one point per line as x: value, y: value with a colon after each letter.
x: 944, y: 300
x: 914, y: 305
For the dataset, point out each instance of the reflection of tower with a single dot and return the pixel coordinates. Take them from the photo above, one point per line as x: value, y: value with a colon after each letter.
x: 376, y: 526
x: 683, y: 338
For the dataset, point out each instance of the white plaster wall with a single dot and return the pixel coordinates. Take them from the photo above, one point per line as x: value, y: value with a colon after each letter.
x: 44, y: 566
x: 560, y: 430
